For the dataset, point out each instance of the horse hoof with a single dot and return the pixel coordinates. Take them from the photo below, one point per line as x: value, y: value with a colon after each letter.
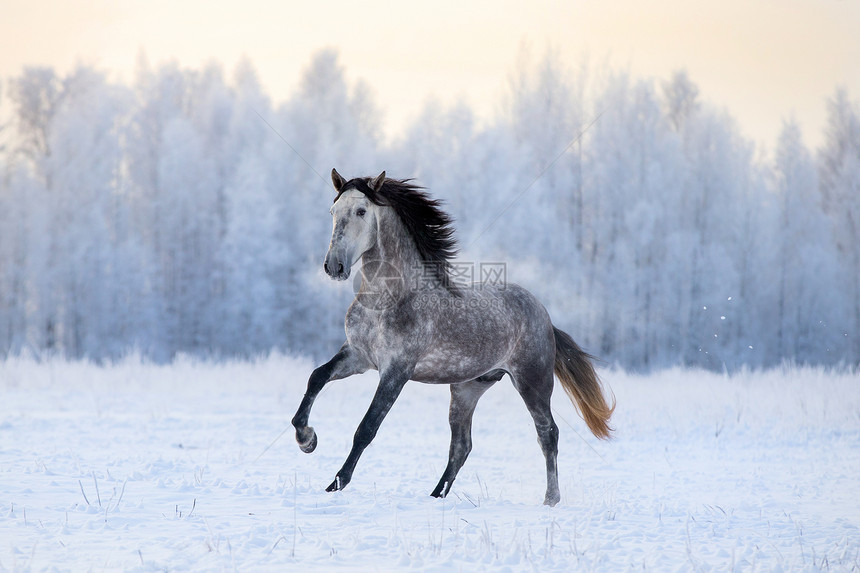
x: 337, y: 484
x: 307, y: 444
x: 552, y: 500
x: 441, y: 489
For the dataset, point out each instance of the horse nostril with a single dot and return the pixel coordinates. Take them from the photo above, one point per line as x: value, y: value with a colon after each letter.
x: 340, y: 268
x: 325, y: 267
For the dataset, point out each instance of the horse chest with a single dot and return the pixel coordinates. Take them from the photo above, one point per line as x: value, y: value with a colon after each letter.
x: 381, y: 334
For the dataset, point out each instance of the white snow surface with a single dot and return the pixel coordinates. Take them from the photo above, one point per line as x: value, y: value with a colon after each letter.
x: 141, y: 467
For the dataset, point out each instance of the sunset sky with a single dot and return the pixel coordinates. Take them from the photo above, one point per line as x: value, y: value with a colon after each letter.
x: 762, y: 60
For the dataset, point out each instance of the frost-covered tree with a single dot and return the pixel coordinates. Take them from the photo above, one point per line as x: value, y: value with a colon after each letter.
x: 17, y: 235
x: 806, y: 299
x: 839, y: 161
x: 721, y: 191
x: 35, y: 96
x: 183, y: 212
x: 544, y: 111
x: 681, y: 99
x: 175, y: 148
x: 250, y: 256
x: 83, y: 224
x: 632, y: 213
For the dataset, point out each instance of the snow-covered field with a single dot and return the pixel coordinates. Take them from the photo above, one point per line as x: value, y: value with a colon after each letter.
x: 142, y: 467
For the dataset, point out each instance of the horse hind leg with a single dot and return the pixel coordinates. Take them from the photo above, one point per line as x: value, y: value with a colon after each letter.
x: 464, y: 399
x: 535, y: 388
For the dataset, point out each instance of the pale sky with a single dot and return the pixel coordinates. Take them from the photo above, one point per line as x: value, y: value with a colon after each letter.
x: 763, y: 60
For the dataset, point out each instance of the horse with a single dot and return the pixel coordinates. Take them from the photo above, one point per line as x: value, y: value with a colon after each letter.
x: 410, y: 321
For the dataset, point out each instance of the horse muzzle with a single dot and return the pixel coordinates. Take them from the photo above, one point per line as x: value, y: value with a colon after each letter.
x: 336, y: 268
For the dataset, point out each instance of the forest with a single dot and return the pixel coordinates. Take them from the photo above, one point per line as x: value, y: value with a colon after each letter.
x: 184, y: 212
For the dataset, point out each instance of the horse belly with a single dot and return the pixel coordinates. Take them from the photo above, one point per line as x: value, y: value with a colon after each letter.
x: 449, y: 365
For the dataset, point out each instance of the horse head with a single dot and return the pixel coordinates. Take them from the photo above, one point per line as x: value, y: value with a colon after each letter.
x: 354, y: 225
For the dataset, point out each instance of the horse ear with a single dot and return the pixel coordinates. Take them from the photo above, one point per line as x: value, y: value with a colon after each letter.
x: 337, y: 180
x: 376, y: 184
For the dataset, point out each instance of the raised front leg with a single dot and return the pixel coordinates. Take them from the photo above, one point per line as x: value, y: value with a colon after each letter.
x: 345, y: 363
x: 464, y: 398
x: 391, y: 382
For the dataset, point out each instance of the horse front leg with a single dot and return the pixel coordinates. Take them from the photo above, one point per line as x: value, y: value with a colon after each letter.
x: 391, y: 382
x: 344, y: 363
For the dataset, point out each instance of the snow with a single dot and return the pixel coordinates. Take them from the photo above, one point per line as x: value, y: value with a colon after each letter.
x: 135, y: 466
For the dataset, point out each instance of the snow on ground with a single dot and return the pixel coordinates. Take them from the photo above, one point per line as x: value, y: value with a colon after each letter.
x: 143, y: 467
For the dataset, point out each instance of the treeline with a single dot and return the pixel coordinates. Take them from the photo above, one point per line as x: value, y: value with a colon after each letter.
x: 184, y: 212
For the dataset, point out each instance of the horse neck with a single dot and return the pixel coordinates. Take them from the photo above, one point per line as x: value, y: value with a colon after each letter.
x: 395, y: 251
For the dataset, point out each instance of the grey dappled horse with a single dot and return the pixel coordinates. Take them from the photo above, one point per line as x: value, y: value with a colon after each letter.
x: 410, y: 321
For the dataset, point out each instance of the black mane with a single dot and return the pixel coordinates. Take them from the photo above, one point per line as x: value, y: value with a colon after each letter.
x: 430, y: 227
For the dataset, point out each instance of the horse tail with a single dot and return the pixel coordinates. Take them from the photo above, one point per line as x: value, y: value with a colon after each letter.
x: 577, y: 376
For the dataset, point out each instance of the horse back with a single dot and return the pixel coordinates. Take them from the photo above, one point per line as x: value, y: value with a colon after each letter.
x: 481, y: 330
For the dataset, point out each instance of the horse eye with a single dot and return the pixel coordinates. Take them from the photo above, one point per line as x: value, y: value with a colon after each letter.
x: 361, y: 212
